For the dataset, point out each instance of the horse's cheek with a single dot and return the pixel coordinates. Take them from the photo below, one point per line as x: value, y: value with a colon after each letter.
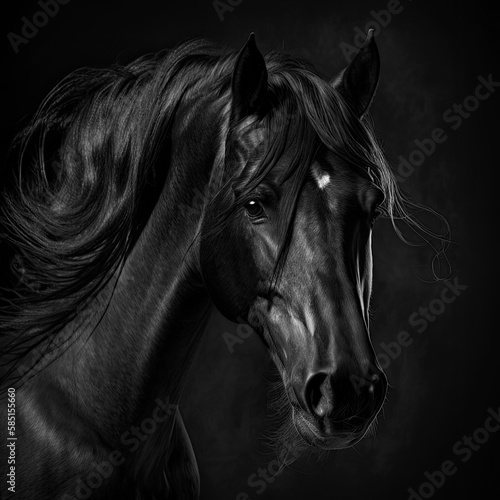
x: 229, y: 272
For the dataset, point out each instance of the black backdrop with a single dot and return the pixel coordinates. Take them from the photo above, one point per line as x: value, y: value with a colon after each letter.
x: 445, y: 379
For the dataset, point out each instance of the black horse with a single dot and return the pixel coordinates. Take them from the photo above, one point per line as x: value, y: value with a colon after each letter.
x: 112, y: 276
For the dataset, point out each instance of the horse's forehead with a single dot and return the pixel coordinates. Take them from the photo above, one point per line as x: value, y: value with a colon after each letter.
x: 334, y: 179
x: 339, y: 188
x: 321, y: 177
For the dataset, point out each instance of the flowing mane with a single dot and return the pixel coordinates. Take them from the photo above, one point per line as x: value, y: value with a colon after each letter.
x: 91, y: 164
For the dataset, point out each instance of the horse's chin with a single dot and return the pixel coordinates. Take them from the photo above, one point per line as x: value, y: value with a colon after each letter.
x: 323, y: 435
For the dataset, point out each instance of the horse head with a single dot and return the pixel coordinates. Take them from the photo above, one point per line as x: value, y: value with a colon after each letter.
x: 286, y: 240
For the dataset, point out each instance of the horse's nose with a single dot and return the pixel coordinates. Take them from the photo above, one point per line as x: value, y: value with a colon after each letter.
x: 346, y: 399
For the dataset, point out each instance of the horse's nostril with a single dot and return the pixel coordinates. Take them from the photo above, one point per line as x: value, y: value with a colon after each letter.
x: 319, y: 395
x: 339, y: 399
x: 342, y: 402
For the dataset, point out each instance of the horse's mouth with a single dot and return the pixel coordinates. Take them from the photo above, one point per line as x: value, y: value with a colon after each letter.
x: 327, y: 435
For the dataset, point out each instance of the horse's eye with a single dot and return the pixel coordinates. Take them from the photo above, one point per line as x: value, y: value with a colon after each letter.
x: 255, y: 210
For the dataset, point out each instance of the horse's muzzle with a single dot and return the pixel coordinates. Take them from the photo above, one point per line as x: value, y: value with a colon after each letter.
x: 335, y: 411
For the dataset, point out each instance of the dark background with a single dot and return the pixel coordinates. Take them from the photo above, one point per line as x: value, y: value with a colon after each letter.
x: 445, y: 381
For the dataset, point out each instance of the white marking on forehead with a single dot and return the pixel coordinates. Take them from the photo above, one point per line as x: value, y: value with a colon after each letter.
x: 322, y: 178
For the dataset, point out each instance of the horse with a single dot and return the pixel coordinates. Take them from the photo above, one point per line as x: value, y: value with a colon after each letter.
x: 111, y: 274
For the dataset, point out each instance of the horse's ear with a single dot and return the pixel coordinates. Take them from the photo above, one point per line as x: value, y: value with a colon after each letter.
x: 357, y: 83
x: 249, y: 81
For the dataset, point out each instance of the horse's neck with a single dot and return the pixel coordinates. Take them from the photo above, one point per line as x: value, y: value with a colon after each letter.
x: 142, y: 347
